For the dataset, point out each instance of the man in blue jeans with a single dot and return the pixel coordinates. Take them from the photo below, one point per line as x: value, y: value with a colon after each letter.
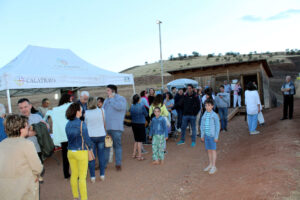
x: 223, y: 102
x: 178, y: 103
x: 115, y: 109
x: 191, y: 107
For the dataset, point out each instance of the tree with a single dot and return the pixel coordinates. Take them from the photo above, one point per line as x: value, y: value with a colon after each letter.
x: 195, y: 53
x: 210, y: 55
x: 171, y: 57
x: 180, y: 56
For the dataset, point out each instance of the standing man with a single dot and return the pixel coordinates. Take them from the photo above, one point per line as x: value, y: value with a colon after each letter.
x: 288, y: 90
x: 115, y: 109
x: 45, y: 107
x: 227, y: 87
x: 191, y: 107
x: 166, y: 90
x: 173, y: 91
x: 178, y: 106
x: 84, y: 97
x: 223, y: 102
x: 25, y: 110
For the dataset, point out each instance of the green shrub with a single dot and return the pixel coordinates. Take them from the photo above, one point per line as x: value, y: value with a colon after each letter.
x: 195, y: 53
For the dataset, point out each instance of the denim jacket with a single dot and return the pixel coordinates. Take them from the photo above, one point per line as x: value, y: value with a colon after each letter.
x: 138, y: 113
x: 2, y: 131
x: 74, y: 136
x: 115, y: 110
x: 214, y: 125
x: 158, y: 127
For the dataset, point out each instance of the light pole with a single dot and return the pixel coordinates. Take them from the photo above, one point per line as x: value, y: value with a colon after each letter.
x: 161, y: 62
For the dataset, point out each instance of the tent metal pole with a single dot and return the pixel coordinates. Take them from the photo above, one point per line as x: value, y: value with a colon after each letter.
x: 8, y: 101
x: 133, y: 86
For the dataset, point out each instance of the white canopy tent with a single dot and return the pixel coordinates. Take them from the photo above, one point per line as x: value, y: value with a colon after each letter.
x: 42, y: 69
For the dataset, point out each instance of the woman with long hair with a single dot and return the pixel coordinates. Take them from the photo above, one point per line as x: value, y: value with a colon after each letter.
x: 78, y: 142
x: 151, y: 95
x: 138, y: 116
x: 144, y: 99
x: 159, y: 102
x: 253, y: 107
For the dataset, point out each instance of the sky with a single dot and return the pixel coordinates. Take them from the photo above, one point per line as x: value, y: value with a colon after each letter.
x: 116, y: 35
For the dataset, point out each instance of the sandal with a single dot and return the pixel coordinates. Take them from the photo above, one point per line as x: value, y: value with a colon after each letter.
x: 141, y: 158
x: 134, y: 156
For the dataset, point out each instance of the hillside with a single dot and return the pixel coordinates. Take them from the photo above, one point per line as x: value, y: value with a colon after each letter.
x: 185, y: 62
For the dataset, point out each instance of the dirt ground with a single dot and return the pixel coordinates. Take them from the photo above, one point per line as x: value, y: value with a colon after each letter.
x: 265, y: 166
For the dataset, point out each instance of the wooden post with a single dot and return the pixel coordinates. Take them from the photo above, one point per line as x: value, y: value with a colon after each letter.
x: 242, y: 86
x: 259, y: 89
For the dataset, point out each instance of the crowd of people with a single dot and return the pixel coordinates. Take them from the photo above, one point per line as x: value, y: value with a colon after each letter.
x: 85, y: 128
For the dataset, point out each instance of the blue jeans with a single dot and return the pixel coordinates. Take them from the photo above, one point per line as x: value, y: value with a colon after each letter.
x: 223, y: 112
x: 99, y: 145
x: 117, y: 145
x: 179, y: 118
x: 252, y: 122
x: 186, y: 119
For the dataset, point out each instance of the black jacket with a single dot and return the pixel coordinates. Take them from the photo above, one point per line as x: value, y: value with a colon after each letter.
x: 191, y: 104
x: 178, y: 102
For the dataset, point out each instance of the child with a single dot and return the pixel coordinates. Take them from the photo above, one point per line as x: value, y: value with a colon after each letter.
x: 159, y: 131
x: 210, y: 128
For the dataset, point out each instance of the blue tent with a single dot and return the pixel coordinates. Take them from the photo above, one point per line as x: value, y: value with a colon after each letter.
x: 181, y: 83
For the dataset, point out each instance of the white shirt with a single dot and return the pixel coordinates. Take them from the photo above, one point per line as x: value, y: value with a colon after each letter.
x: 94, y: 122
x: 59, y: 121
x: 251, y: 101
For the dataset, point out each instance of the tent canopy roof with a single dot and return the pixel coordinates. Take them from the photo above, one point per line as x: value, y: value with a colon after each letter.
x: 182, y: 82
x: 41, y: 67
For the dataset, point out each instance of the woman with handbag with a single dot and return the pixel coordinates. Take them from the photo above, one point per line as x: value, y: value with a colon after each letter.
x: 79, y: 144
x: 94, y: 119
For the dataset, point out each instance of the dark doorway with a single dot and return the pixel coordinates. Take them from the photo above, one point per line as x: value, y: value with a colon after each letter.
x: 249, y: 78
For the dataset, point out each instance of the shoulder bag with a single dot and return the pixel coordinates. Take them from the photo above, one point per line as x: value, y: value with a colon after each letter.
x: 90, y: 152
x: 108, y: 139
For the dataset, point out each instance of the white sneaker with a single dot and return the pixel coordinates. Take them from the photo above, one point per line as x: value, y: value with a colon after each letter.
x: 93, y: 179
x: 207, y: 168
x: 179, y: 130
x: 254, y: 132
x: 212, y: 170
x: 102, y: 178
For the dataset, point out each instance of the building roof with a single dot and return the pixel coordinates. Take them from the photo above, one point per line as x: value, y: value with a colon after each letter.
x: 263, y: 61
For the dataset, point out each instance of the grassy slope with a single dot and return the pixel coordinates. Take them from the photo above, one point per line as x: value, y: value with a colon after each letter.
x: 154, y: 68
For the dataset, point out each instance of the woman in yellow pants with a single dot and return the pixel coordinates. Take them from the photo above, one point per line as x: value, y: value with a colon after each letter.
x: 78, y: 139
